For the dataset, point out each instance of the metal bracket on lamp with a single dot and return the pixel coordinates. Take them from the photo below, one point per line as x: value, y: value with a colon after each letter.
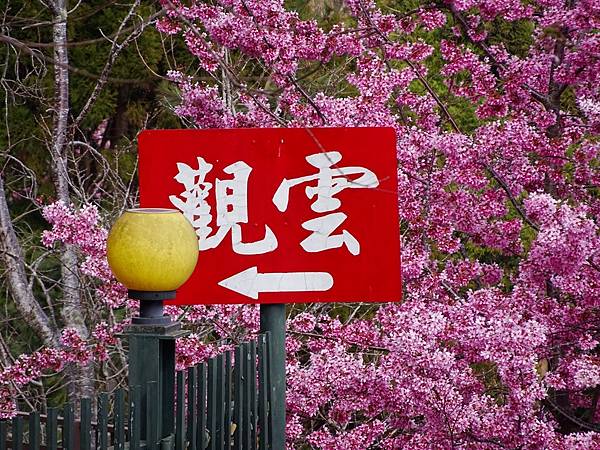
x: 151, y: 307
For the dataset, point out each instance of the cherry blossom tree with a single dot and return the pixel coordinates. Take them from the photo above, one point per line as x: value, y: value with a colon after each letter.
x: 496, y: 108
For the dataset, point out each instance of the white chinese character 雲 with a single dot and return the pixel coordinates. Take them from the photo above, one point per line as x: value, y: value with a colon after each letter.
x: 231, y: 202
x: 330, y: 181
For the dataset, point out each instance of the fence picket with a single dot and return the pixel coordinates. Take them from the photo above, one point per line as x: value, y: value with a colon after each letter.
x: 68, y: 432
x: 238, y: 399
x: 34, y: 431
x: 247, y: 394
x: 227, y: 415
x: 85, y: 426
x: 103, y: 420
x: 152, y: 415
x: 180, y: 412
x: 252, y: 390
x: 262, y: 393
x: 201, y: 405
x: 119, y: 421
x: 243, y: 398
x: 211, y: 410
x: 191, y: 407
x: 135, y: 421
x: 52, y: 429
x: 3, y: 434
x: 220, y: 401
x: 17, y: 433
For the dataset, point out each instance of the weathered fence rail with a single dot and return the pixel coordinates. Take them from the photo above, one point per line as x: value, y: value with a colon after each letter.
x: 220, y: 404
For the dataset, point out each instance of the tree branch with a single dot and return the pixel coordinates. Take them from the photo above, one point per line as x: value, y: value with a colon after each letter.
x: 12, y: 256
x: 22, y: 46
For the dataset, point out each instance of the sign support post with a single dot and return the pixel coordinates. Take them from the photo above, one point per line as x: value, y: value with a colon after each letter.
x: 272, y: 320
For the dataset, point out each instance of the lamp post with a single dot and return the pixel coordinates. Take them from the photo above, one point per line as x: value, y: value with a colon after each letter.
x: 153, y: 252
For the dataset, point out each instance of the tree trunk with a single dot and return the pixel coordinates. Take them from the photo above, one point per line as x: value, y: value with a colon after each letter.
x: 81, y: 383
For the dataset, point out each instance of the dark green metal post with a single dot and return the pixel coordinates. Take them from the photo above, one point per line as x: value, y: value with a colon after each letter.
x: 152, y: 359
x: 272, y: 320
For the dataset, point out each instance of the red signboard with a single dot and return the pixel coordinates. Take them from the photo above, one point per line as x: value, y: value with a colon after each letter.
x: 282, y: 215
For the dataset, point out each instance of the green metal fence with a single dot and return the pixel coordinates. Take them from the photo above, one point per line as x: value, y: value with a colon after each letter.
x: 221, y: 404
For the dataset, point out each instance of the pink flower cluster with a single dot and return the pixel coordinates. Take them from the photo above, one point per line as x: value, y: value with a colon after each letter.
x: 73, y: 350
x: 81, y: 228
x: 212, y: 326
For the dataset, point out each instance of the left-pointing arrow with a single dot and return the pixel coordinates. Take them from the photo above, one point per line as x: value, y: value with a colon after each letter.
x: 250, y: 282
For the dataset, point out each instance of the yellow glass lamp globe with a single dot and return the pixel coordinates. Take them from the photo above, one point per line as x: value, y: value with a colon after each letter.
x: 152, y: 249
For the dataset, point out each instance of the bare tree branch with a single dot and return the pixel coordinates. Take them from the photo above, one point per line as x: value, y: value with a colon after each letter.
x: 22, y: 46
x: 12, y: 256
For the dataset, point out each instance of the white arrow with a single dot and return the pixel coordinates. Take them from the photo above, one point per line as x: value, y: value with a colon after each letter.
x: 250, y: 283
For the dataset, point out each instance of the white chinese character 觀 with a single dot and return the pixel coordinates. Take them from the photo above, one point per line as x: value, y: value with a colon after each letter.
x: 231, y: 207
